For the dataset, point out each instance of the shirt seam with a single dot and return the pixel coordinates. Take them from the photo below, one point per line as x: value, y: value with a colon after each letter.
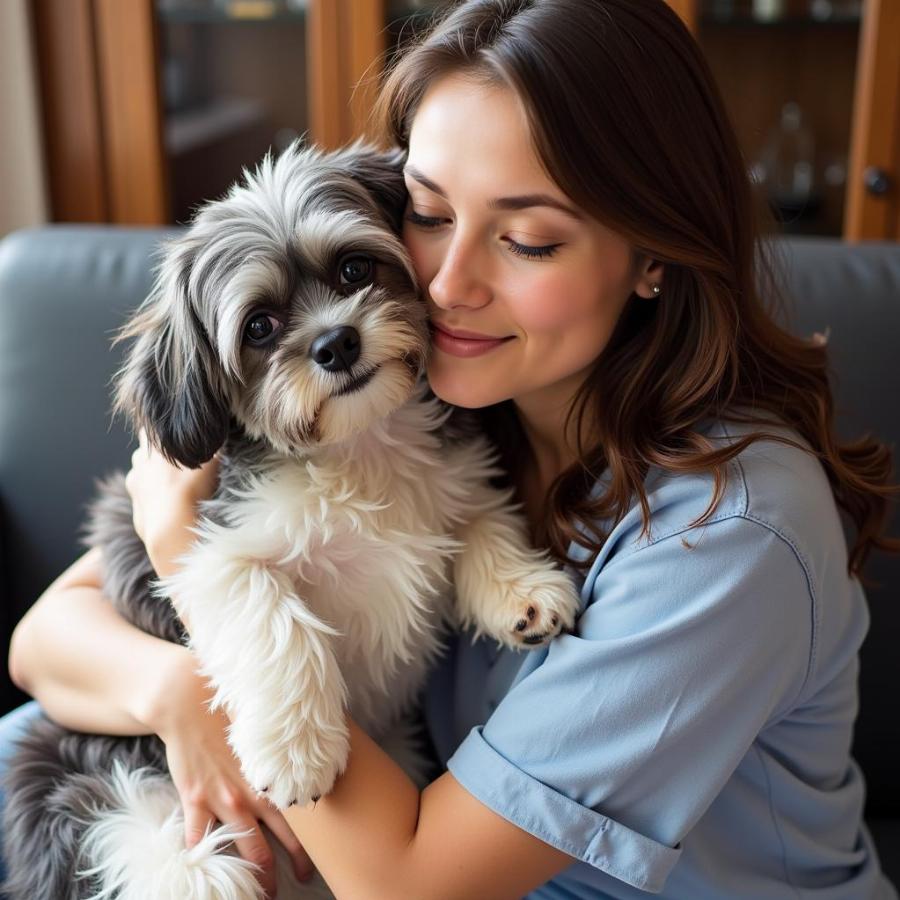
x: 814, y: 600
x: 721, y: 515
x: 774, y: 817
x: 785, y: 539
x: 814, y: 624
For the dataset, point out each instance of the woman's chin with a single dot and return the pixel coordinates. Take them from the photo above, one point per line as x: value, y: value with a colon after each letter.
x: 465, y: 392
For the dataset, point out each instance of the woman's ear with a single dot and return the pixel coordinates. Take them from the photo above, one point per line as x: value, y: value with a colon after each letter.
x: 649, y: 280
x: 169, y: 383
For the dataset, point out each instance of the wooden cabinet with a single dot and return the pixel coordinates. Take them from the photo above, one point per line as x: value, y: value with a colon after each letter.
x: 837, y: 63
x: 151, y: 106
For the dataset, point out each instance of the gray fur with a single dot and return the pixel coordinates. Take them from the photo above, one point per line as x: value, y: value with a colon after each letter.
x: 57, y: 780
x: 192, y: 385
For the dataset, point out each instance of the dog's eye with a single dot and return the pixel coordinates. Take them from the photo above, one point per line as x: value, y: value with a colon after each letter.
x: 356, y: 270
x: 261, y: 328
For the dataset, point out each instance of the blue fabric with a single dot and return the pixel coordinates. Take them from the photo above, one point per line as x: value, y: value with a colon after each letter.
x: 12, y: 727
x: 691, y: 737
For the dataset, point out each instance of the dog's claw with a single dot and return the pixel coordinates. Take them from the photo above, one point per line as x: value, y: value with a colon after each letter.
x: 534, y: 639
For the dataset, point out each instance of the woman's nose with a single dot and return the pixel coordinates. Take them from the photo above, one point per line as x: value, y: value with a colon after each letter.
x: 461, y: 280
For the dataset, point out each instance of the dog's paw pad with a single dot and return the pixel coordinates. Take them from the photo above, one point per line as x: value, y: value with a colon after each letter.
x: 538, y: 618
x: 530, y: 613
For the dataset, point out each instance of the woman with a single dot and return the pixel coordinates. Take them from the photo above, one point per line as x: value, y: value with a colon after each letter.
x: 581, y: 222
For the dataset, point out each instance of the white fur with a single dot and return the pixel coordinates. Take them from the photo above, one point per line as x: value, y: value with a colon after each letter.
x: 330, y: 582
x: 136, y: 851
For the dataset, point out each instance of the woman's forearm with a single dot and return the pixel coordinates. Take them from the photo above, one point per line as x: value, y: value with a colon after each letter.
x: 359, y: 834
x: 87, y: 667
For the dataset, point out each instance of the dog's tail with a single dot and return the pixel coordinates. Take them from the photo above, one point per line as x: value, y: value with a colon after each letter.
x: 135, y: 848
x: 93, y: 816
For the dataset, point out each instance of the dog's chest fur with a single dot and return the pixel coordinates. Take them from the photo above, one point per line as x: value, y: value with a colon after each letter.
x: 364, y: 529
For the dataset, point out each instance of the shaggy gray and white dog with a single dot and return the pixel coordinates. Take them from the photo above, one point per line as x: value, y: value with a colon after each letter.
x: 351, y: 523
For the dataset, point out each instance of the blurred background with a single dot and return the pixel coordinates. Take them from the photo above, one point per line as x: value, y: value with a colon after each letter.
x: 135, y: 111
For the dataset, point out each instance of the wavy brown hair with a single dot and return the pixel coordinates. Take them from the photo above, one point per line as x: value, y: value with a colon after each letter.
x: 626, y: 118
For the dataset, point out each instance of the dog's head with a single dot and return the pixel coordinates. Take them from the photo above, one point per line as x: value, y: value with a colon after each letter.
x: 290, y: 305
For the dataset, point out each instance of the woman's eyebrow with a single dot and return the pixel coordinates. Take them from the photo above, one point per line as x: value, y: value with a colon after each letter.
x: 505, y: 203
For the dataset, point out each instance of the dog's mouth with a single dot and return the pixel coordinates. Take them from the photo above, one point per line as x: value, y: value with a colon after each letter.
x: 357, y: 384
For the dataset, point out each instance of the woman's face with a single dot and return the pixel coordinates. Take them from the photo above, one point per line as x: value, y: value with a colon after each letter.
x: 503, y: 253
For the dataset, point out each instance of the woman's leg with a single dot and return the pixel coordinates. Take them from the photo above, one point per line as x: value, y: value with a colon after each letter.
x: 12, y: 726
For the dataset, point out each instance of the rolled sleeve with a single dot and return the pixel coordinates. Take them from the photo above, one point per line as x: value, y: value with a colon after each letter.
x: 614, y: 745
x: 558, y: 820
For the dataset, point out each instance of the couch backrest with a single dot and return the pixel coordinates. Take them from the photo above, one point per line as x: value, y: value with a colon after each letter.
x: 65, y: 289
x: 852, y: 292
x: 63, y: 292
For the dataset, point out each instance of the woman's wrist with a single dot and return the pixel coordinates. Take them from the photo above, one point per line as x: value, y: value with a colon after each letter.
x: 158, y: 707
x: 167, y: 543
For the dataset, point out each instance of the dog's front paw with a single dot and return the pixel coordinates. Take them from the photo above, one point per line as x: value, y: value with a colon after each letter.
x: 295, y: 771
x: 535, y: 610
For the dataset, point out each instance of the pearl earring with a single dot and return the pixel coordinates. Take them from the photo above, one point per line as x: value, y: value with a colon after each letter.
x: 656, y: 289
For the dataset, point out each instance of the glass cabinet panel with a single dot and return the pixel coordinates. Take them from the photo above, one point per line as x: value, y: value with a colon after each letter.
x: 787, y: 70
x: 233, y: 82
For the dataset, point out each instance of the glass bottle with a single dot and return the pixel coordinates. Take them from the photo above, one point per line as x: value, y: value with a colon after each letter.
x: 787, y: 164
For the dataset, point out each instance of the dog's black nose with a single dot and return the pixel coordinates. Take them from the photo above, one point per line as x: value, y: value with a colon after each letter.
x: 336, y: 350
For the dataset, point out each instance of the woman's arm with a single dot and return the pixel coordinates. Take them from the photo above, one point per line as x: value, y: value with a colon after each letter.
x: 376, y: 836
x: 87, y: 667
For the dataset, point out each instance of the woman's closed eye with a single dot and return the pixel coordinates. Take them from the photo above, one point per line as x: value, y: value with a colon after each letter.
x: 528, y: 251
x: 531, y: 252
x: 424, y: 221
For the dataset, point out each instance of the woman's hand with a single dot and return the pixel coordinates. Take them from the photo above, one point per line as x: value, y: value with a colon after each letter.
x: 207, y: 775
x: 164, y: 500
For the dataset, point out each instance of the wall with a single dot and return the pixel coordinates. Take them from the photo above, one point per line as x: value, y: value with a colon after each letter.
x: 23, y: 192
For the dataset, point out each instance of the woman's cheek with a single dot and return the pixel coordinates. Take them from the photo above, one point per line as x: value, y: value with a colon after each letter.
x: 424, y: 265
x: 550, y: 303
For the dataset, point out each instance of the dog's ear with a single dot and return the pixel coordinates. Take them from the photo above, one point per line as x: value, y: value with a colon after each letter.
x: 381, y: 173
x: 169, y: 383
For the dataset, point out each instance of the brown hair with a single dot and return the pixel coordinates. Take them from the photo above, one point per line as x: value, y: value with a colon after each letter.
x: 627, y: 120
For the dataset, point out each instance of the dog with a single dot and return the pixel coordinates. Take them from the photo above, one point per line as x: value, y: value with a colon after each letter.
x: 357, y: 517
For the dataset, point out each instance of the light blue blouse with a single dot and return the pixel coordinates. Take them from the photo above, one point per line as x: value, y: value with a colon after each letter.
x: 691, y: 738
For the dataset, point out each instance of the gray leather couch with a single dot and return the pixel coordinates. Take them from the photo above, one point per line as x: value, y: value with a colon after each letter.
x: 65, y: 289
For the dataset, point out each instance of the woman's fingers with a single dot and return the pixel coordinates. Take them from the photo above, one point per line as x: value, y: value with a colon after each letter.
x: 198, y: 820
x: 303, y: 867
x: 255, y: 849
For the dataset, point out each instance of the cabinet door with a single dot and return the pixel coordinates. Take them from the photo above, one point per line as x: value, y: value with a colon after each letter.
x: 152, y: 106
x: 873, y: 200
x: 234, y: 82
x: 102, y: 139
x: 837, y: 61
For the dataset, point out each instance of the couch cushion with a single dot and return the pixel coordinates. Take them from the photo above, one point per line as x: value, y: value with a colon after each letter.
x: 63, y: 292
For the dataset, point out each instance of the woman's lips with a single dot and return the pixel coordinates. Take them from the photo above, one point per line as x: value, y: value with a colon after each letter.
x: 464, y: 344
